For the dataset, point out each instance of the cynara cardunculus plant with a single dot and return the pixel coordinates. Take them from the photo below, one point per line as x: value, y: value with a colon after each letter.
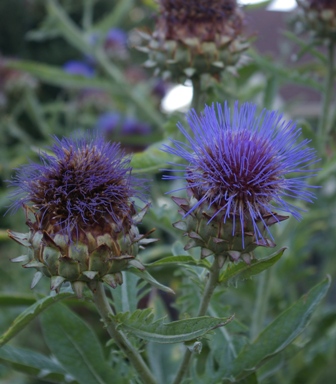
x: 80, y: 213
x: 240, y: 170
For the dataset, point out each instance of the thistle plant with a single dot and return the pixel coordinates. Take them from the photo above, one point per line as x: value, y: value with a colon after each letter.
x: 80, y: 214
x: 223, y: 296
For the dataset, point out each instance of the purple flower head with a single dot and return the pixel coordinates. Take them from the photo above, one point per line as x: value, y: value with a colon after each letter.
x: 84, y: 183
x: 108, y: 122
x: 242, y: 167
x: 116, y: 37
x: 75, y: 67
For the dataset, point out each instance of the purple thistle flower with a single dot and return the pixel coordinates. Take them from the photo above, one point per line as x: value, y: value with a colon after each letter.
x: 85, y: 183
x: 81, y: 217
x: 116, y: 37
x: 241, y: 168
x: 76, y: 67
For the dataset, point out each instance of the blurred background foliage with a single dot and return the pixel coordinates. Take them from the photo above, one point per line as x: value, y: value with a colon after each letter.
x: 69, y: 67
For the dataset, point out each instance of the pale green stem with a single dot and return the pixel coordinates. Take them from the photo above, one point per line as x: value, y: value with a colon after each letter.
x: 324, y: 122
x: 121, y: 340
x: 209, y: 290
x: 196, y: 102
x: 261, y: 303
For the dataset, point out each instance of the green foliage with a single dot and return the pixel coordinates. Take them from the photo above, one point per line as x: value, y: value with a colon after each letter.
x: 273, y: 337
x: 82, y: 357
x: 242, y: 271
x: 141, y: 323
x: 34, y: 364
x: 29, y: 314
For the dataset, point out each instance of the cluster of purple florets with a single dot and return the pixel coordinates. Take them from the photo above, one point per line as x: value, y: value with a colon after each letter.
x: 242, y: 166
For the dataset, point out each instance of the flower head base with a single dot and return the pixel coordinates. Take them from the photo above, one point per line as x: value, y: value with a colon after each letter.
x: 194, y: 37
x: 318, y: 16
x: 236, y: 178
x: 82, y: 222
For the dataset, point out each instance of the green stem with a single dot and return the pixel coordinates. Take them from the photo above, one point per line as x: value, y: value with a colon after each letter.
x: 209, y: 290
x: 323, y: 127
x: 121, y: 340
x: 261, y: 303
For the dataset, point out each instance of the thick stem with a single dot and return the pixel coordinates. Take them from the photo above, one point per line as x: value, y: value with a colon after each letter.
x: 209, y: 290
x: 121, y: 340
x: 324, y: 122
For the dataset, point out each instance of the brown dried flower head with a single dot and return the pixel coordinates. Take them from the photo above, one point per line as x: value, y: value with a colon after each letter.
x: 194, y: 37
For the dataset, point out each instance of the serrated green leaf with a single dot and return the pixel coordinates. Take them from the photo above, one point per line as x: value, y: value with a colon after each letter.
x: 280, y: 333
x: 140, y: 323
x: 31, y: 313
x: 181, y: 260
x: 145, y: 275
x: 32, y: 363
x: 76, y: 346
x: 243, y: 271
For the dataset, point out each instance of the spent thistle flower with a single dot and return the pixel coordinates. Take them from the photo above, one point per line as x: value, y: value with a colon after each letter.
x: 318, y: 17
x: 239, y: 169
x: 194, y: 37
x: 80, y: 213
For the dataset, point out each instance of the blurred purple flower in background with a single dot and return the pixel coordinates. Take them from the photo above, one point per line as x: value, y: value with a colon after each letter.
x: 76, y: 67
x: 128, y: 130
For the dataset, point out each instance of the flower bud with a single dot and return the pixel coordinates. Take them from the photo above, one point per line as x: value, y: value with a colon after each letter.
x: 195, y: 37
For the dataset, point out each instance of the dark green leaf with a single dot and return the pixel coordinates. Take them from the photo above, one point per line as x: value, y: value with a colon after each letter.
x: 243, y: 271
x: 32, y: 363
x: 280, y: 333
x: 31, y: 313
x: 76, y: 346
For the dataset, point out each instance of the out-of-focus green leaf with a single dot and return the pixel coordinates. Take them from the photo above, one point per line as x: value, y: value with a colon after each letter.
x: 243, y: 271
x: 33, y: 363
x: 151, y: 160
x: 31, y: 313
x: 141, y: 324
x: 14, y: 300
x: 55, y: 76
x: 305, y: 47
x: 76, y: 346
x: 284, y: 73
x: 279, y: 334
x: 116, y: 17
